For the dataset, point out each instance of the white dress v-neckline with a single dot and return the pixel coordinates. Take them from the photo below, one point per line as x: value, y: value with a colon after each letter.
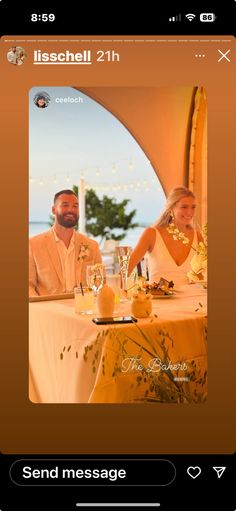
x: 162, y: 264
x: 168, y: 252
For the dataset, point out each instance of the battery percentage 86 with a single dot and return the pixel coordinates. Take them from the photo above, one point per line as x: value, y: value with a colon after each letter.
x: 207, y: 16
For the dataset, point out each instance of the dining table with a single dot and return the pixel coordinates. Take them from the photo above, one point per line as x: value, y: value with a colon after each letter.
x: 161, y: 358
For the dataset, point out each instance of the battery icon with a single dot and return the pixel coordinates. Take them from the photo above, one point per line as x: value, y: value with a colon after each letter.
x: 207, y: 16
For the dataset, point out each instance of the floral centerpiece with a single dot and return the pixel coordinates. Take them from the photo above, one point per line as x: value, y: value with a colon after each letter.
x: 199, y: 260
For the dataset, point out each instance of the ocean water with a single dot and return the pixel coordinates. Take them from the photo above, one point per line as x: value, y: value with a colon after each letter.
x: 130, y: 239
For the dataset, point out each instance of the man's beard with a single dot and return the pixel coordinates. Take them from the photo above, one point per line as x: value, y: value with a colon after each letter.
x: 67, y: 222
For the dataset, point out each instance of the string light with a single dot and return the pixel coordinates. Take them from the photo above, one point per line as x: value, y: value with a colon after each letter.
x: 120, y: 187
x: 114, y: 166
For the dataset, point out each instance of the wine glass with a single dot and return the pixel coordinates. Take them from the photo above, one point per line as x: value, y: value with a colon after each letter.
x: 124, y: 257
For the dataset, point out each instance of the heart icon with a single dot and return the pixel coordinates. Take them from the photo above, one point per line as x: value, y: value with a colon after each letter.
x: 194, y: 472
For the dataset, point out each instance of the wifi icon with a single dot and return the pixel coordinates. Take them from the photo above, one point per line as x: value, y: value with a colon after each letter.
x: 190, y: 16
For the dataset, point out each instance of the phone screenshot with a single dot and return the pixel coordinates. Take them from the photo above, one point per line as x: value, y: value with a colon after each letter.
x: 117, y: 311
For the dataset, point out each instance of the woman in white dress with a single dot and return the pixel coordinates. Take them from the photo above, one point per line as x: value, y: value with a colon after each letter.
x: 167, y: 256
x: 20, y: 58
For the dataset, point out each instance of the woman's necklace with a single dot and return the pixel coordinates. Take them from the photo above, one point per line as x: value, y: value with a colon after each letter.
x: 177, y: 234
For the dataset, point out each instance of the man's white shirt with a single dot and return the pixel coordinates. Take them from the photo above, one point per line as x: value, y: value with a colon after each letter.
x: 67, y: 258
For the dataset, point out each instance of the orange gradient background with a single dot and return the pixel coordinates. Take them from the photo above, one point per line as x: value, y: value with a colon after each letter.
x: 137, y: 428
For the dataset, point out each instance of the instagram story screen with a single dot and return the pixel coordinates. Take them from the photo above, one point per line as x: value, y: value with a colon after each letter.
x: 117, y: 311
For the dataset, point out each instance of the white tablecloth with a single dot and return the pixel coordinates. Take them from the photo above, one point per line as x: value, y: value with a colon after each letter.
x: 58, y: 337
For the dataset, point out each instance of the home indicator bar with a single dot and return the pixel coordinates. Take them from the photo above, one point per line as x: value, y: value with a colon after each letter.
x: 118, y: 504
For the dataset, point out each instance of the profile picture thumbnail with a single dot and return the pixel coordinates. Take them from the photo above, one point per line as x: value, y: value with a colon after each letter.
x: 42, y: 99
x: 16, y: 55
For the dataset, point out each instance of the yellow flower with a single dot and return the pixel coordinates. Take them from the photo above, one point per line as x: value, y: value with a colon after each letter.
x: 199, y: 261
x: 176, y: 234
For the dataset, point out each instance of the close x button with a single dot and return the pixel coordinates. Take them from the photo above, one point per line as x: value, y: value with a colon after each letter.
x: 224, y: 55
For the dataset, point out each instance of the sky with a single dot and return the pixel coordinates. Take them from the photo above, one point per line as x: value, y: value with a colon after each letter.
x: 69, y: 140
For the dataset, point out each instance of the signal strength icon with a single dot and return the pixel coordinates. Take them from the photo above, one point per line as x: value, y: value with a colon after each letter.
x: 175, y: 18
x: 190, y: 16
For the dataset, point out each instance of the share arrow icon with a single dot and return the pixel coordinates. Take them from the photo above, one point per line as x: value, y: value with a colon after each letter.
x: 219, y: 471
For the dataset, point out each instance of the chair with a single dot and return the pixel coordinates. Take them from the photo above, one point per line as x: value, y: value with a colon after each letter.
x: 110, y: 245
x: 109, y: 255
x: 142, y: 268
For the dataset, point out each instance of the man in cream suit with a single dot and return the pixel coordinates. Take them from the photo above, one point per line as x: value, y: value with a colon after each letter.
x: 58, y: 258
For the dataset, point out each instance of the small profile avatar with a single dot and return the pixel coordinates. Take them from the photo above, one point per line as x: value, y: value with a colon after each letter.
x: 42, y: 99
x: 16, y: 55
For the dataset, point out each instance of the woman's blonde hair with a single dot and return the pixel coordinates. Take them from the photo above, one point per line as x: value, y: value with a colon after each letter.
x: 174, y: 196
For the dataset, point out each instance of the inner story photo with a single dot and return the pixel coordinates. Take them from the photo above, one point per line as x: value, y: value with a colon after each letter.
x: 118, y: 245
